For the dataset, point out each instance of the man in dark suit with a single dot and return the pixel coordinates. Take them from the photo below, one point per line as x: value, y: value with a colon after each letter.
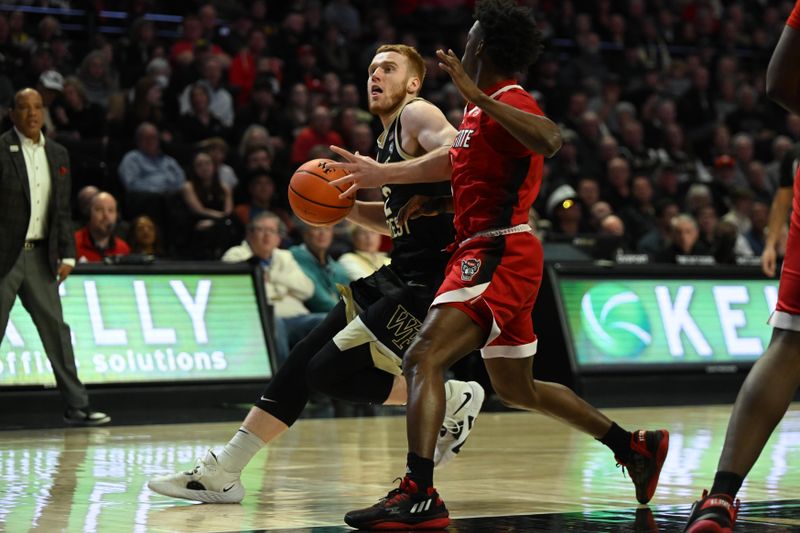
x: 37, y: 248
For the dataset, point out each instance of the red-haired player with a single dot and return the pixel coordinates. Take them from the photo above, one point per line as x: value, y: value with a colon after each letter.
x: 773, y: 381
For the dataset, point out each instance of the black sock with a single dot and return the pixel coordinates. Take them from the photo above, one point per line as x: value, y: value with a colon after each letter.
x: 420, y: 470
x: 619, y: 441
x: 727, y: 483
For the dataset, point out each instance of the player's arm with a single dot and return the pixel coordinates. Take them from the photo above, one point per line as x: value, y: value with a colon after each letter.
x: 427, y: 124
x: 777, y: 220
x: 369, y: 215
x: 424, y: 206
x: 366, y: 173
x: 535, y: 132
x: 783, y: 72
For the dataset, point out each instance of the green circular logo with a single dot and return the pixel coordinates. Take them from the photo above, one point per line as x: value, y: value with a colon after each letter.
x: 615, y: 321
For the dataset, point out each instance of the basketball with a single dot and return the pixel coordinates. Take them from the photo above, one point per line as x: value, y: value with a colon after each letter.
x: 313, y: 199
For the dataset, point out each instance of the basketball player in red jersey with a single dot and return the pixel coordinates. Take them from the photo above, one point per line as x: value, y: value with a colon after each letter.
x: 492, y: 278
x: 773, y: 380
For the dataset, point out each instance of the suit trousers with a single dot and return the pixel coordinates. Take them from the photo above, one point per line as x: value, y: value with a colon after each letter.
x: 32, y: 279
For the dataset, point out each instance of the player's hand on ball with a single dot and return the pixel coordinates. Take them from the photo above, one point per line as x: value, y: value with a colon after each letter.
x: 418, y: 206
x: 364, y: 172
x: 452, y: 65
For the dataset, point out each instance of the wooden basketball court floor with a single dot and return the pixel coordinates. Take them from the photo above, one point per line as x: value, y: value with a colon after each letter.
x: 518, y: 472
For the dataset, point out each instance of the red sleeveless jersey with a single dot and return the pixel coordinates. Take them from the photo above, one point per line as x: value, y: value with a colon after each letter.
x: 495, y: 179
x: 794, y: 17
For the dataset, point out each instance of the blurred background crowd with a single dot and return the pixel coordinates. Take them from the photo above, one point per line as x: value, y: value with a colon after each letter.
x: 190, y: 117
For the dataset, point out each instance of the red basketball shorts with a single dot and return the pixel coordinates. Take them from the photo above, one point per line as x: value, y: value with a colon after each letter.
x: 787, y: 311
x: 495, y: 281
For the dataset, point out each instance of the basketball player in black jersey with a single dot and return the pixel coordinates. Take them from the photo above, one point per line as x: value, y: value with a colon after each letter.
x: 356, y: 353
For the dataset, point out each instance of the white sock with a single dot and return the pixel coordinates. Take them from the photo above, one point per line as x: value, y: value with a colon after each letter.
x: 239, y: 450
x: 448, y: 392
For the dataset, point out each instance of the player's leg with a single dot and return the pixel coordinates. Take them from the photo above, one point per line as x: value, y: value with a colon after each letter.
x: 512, y: 380
x: 416, y: 504
x: 215, y: 478
x: 363, y: 362
x: 762, y: 401
x: 641, y: 452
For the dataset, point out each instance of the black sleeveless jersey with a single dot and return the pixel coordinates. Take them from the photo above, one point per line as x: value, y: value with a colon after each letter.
x: 418, y: 247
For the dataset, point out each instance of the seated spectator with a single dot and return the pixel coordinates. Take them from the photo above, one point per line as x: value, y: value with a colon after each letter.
x: 365, y: 258
x: 759, y: 219
x: 318, y: 132
x: 199, y: 122
x: 221, y: 101
x: 218, y: 149
x: 658, y: 237
x: 729, y: 244
x: 256, y: 158
x: 741, y: 207
x: 243, y: 68
x: 146, y: 168
x: 255, y: 137
x: 97, y: 78
x: 640, y: 215
x: 77, y: 118
x: 315, y: 260
x: 588, y: 190
x: 148, y: 105
x: 210, y: 203
x: 186, y: 48
x: 261, y: 193
x: 707, y: 221
x: 263, y: 110
x: 684, y: 237
x: 96, y: 240
x: 564, y: 212
x: 83, y: 205
x: 145, y: 238
x: 287, y: 286
x: 50, y: 86
x: 599, y: 211
x: 612, y: 225
x: 618, y: 191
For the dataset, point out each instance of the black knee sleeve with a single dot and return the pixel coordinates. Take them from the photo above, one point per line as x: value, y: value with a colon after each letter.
x: 348, y: 375
x: 286, y: 394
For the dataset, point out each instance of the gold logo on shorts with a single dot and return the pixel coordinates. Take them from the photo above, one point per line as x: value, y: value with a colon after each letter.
x: 469, y: 267
x: 404, y: 325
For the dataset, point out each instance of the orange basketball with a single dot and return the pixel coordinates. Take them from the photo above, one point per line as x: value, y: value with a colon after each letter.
x: 313, y: 199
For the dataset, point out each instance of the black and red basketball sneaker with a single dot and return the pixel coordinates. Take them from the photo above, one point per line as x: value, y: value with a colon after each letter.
x: 405, y: 507
x: 713, y: 513
x: 648, y: 452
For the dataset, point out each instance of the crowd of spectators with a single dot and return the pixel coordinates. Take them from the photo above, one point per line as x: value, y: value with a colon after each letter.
x: 189, y: 130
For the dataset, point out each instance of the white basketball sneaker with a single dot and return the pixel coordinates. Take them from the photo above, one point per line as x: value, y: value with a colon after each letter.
x: 460, y: 413
x: 207, y: 482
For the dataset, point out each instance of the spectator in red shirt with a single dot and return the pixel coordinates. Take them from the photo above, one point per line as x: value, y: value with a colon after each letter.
x: 96, y: 239
x: 183, y: 51
x: 243, y: 69
x: 318, y: 132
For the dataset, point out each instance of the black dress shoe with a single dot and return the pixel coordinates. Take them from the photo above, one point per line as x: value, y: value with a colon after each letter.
x: 85, y: 417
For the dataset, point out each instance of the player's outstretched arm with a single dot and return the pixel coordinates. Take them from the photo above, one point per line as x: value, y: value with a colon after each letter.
x: 777, y: 220
x: 783, y: 72
x: 369, y: 215
x: 535, y: 132
x: 366, y: 173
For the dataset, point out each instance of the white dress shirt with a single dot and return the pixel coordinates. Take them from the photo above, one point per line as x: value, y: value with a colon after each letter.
x: 39, y: 182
